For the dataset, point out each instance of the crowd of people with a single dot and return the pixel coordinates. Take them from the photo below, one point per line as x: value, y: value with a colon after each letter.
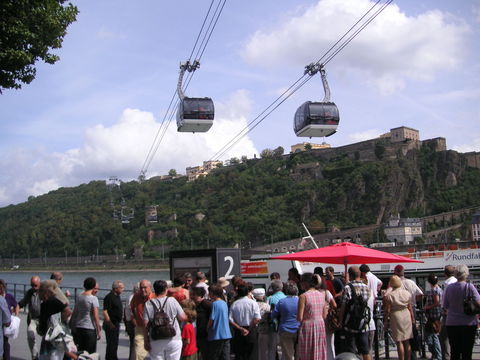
x: 309, y: 316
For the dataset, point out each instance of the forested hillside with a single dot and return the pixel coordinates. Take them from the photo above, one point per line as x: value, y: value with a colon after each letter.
x: 259, y: 200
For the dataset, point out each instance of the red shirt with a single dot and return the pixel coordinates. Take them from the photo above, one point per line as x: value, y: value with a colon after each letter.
x: 330, y: 287
x: 179, y: 295
x: 138, y: 305
x: 188, y: 332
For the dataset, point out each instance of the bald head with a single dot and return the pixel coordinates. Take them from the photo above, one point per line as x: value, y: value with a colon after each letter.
x: 449, y: 270
x: 57, y: 276
x: 354, y: 272
x: 35, y: 282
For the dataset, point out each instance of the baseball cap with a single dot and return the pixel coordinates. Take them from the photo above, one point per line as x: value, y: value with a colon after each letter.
x: 258, y: 292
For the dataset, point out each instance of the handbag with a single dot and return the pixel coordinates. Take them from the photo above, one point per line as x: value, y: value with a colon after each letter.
x: 13, y: 329
x: 56, y: 330
x: 470, y: 305
x: 332, y: 320
x: 433, y: 326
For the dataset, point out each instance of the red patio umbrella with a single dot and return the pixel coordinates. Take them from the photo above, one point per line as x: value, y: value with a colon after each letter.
x: 346, y: 253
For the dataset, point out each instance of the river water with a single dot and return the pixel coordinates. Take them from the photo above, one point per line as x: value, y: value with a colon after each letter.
x: 74, y: 279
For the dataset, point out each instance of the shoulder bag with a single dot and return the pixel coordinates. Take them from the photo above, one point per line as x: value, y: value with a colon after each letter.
x: 470, y: 305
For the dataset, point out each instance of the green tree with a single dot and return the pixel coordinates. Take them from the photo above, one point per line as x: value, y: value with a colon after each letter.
x: 234, y: 161
x: 266, y: 153
x: 172, y: 172
x: 278, y: 152
x: 29, y: 30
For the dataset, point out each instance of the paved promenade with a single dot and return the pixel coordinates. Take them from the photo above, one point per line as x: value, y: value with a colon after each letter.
x: 20, y: 350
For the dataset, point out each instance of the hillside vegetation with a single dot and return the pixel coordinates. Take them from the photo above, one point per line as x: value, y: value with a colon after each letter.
x: 257, y: 201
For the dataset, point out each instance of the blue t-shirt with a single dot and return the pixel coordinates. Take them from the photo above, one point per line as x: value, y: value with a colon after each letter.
x: 220, y: 329
x: 286, y: 310
x: 273, y: 300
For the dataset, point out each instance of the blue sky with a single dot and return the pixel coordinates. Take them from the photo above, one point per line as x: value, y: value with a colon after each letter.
x: 95, y: 113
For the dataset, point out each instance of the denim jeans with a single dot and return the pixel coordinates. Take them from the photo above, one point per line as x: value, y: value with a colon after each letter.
x: 433, y: 342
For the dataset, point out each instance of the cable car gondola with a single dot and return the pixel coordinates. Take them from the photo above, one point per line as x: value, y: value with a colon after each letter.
x: 126, y: 214
x: 317, y: 119
x: 193, y: 114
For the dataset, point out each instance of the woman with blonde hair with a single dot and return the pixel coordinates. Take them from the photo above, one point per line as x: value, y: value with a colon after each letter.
x: 399, y: 317
x: 53, y: 311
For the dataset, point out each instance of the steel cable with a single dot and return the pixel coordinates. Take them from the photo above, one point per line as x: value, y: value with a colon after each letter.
x: 259, y: 118
x: 170, y: 112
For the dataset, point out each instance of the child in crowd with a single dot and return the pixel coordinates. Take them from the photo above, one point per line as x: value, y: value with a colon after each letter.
x: 189, y: 350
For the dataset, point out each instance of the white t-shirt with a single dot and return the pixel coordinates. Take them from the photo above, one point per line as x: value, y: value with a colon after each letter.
x: 371, y: 304
x: 329, y: 296
x: 413, y: 289
x: 449, y: 281
x: 203, y: 285
x: 243, y: 311
x: 374, y: 283
x: 172, y: 308
x: 128, y: 310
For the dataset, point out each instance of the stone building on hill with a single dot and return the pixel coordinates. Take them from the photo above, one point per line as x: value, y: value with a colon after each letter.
x: 194, y: 172
x: 473, y: 159
x: 404, y: 133
x: 304, y: 145
x: 403, y: 231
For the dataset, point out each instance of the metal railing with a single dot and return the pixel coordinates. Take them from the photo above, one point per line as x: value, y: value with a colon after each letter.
x: 19, y: 290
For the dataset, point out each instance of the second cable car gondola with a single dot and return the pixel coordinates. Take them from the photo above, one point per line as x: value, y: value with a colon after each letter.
x: 317, y: 119
x: 193, y: 114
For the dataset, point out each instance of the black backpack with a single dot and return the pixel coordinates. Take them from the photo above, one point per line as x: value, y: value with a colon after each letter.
x: 357, y: 314
x: 161, y: 327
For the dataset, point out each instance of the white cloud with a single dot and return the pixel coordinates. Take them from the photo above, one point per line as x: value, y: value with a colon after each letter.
x: 365, y: 135
x: 391, y: 49
x: 121, y: 149
x: 44, y: 186
x: 473, y: 146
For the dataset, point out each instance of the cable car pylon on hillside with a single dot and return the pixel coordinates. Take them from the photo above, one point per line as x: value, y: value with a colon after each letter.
x: 120, y: 212
x: 193, y: 114
x: 317, y: 119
